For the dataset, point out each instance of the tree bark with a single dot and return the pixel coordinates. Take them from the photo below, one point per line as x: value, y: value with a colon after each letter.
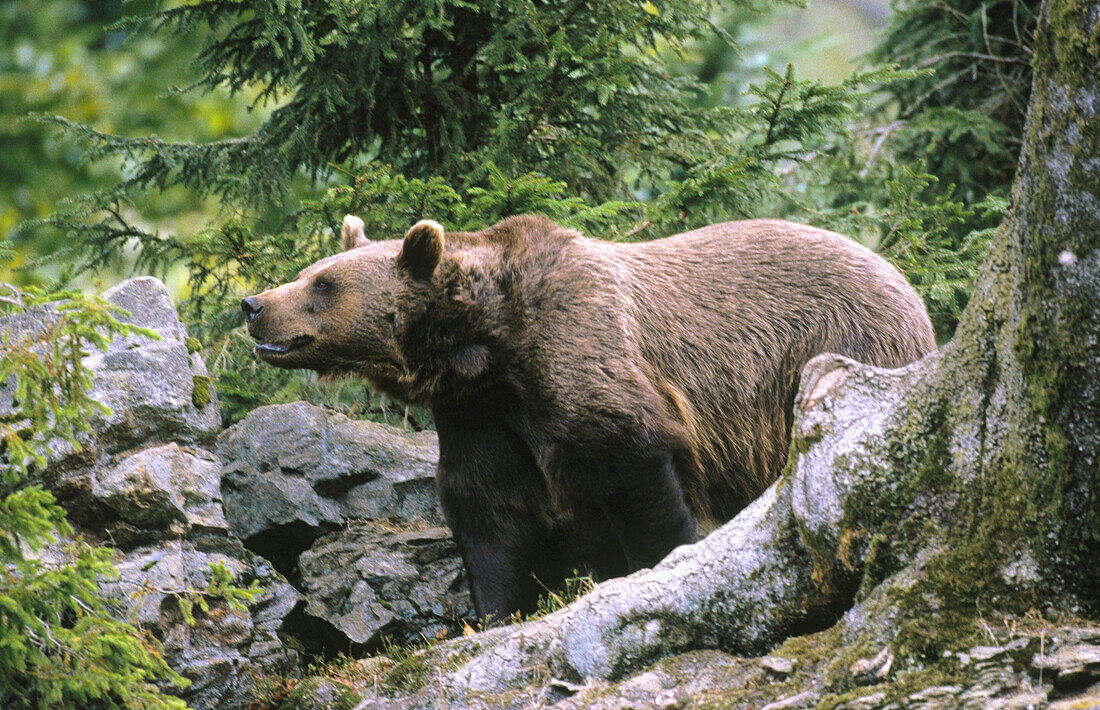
x: 1031, y: 334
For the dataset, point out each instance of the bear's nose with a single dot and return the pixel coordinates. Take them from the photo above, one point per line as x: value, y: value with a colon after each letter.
x: 252, y: 308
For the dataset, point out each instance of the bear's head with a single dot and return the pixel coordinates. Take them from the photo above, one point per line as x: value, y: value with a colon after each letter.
x: 387, y: 311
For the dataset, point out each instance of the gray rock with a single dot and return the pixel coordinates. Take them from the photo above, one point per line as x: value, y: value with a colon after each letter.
x: 1022, y: 572
x: 979, y: 654
x: 271, y: 610
x: 1076, y: 665
x: 163, y: 505
x: 871, y: 701
x: 157, y: 390
x: 1066, y: 657
x: 1024, y: 700
x: 373, y: 580
x: 801, y: 700
x: 866, y: 671
x: 153, y: 576
x: 293, y: 472
x: 225, y: 649
x: 1081, y: 634
x: 695, y: 679
x: 935, y: 697
x: 163, y: 492
x: 776, y: 665
x: 145, y: 484
x: 23, y: 329
x: 209, y: 654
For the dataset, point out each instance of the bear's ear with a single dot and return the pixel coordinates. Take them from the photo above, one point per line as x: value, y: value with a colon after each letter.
x: 352, y: 235
x: 422, y: 249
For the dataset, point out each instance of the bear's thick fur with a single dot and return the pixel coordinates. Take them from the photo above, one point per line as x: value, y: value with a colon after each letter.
x: 594, y: 401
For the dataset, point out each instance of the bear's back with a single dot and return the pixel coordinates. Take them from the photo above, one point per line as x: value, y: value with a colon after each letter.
x: 762, y: 285
x: 779, y: 283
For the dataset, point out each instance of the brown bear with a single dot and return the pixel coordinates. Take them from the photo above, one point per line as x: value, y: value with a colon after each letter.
x: 594, y: 401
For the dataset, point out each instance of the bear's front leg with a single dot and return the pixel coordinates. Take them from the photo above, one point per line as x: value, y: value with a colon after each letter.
x: 498, y: 507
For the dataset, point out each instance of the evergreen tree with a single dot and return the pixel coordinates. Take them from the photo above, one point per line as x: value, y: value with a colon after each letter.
x: 56, y: 57
x: 925, y: 177
x: 964, y: 115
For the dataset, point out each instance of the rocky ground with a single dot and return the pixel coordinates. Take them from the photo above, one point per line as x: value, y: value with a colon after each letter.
x: 338, y: 522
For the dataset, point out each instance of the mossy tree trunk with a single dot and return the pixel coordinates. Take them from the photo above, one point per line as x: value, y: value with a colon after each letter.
x: 1013, y: 410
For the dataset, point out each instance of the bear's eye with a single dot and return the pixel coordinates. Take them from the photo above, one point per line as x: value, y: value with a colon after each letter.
x: 321, y: 285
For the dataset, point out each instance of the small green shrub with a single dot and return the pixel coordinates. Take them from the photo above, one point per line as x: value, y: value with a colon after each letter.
x: 60, y: 644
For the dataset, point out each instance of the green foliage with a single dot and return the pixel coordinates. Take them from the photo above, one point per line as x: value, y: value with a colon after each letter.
x: 791, y: 116
x: 220, y: 587
x: 926, y: 173
x: 575, y: 93
x: 575, y: 587
x: 55, y: 57
x: 918, y: 240
x: 60, y: 646
x: 443, y: 87
x: 965, y: 115
x: 923, y: 174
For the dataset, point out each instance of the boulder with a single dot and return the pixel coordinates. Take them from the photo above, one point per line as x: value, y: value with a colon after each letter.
x: 348, y: 511
x: 225, y: 650
x: 374, y: 580
x: 146, y: 484
x: 293, y: 472
x: 156, y: 389
x: 159, y: 493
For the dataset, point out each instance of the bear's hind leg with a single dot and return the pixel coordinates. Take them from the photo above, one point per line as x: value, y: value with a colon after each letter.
x: 649, y: 514
x: 641, y: 499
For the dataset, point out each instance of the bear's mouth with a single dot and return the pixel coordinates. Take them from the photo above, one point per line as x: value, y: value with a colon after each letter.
x: 283, y: 347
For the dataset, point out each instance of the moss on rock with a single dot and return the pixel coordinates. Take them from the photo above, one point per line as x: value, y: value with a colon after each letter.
x: 201, y: 392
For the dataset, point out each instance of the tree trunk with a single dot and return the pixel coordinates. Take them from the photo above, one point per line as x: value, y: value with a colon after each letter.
x: 1030, y: 338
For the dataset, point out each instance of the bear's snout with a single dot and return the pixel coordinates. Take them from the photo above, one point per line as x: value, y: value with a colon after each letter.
x: 252, y: 308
